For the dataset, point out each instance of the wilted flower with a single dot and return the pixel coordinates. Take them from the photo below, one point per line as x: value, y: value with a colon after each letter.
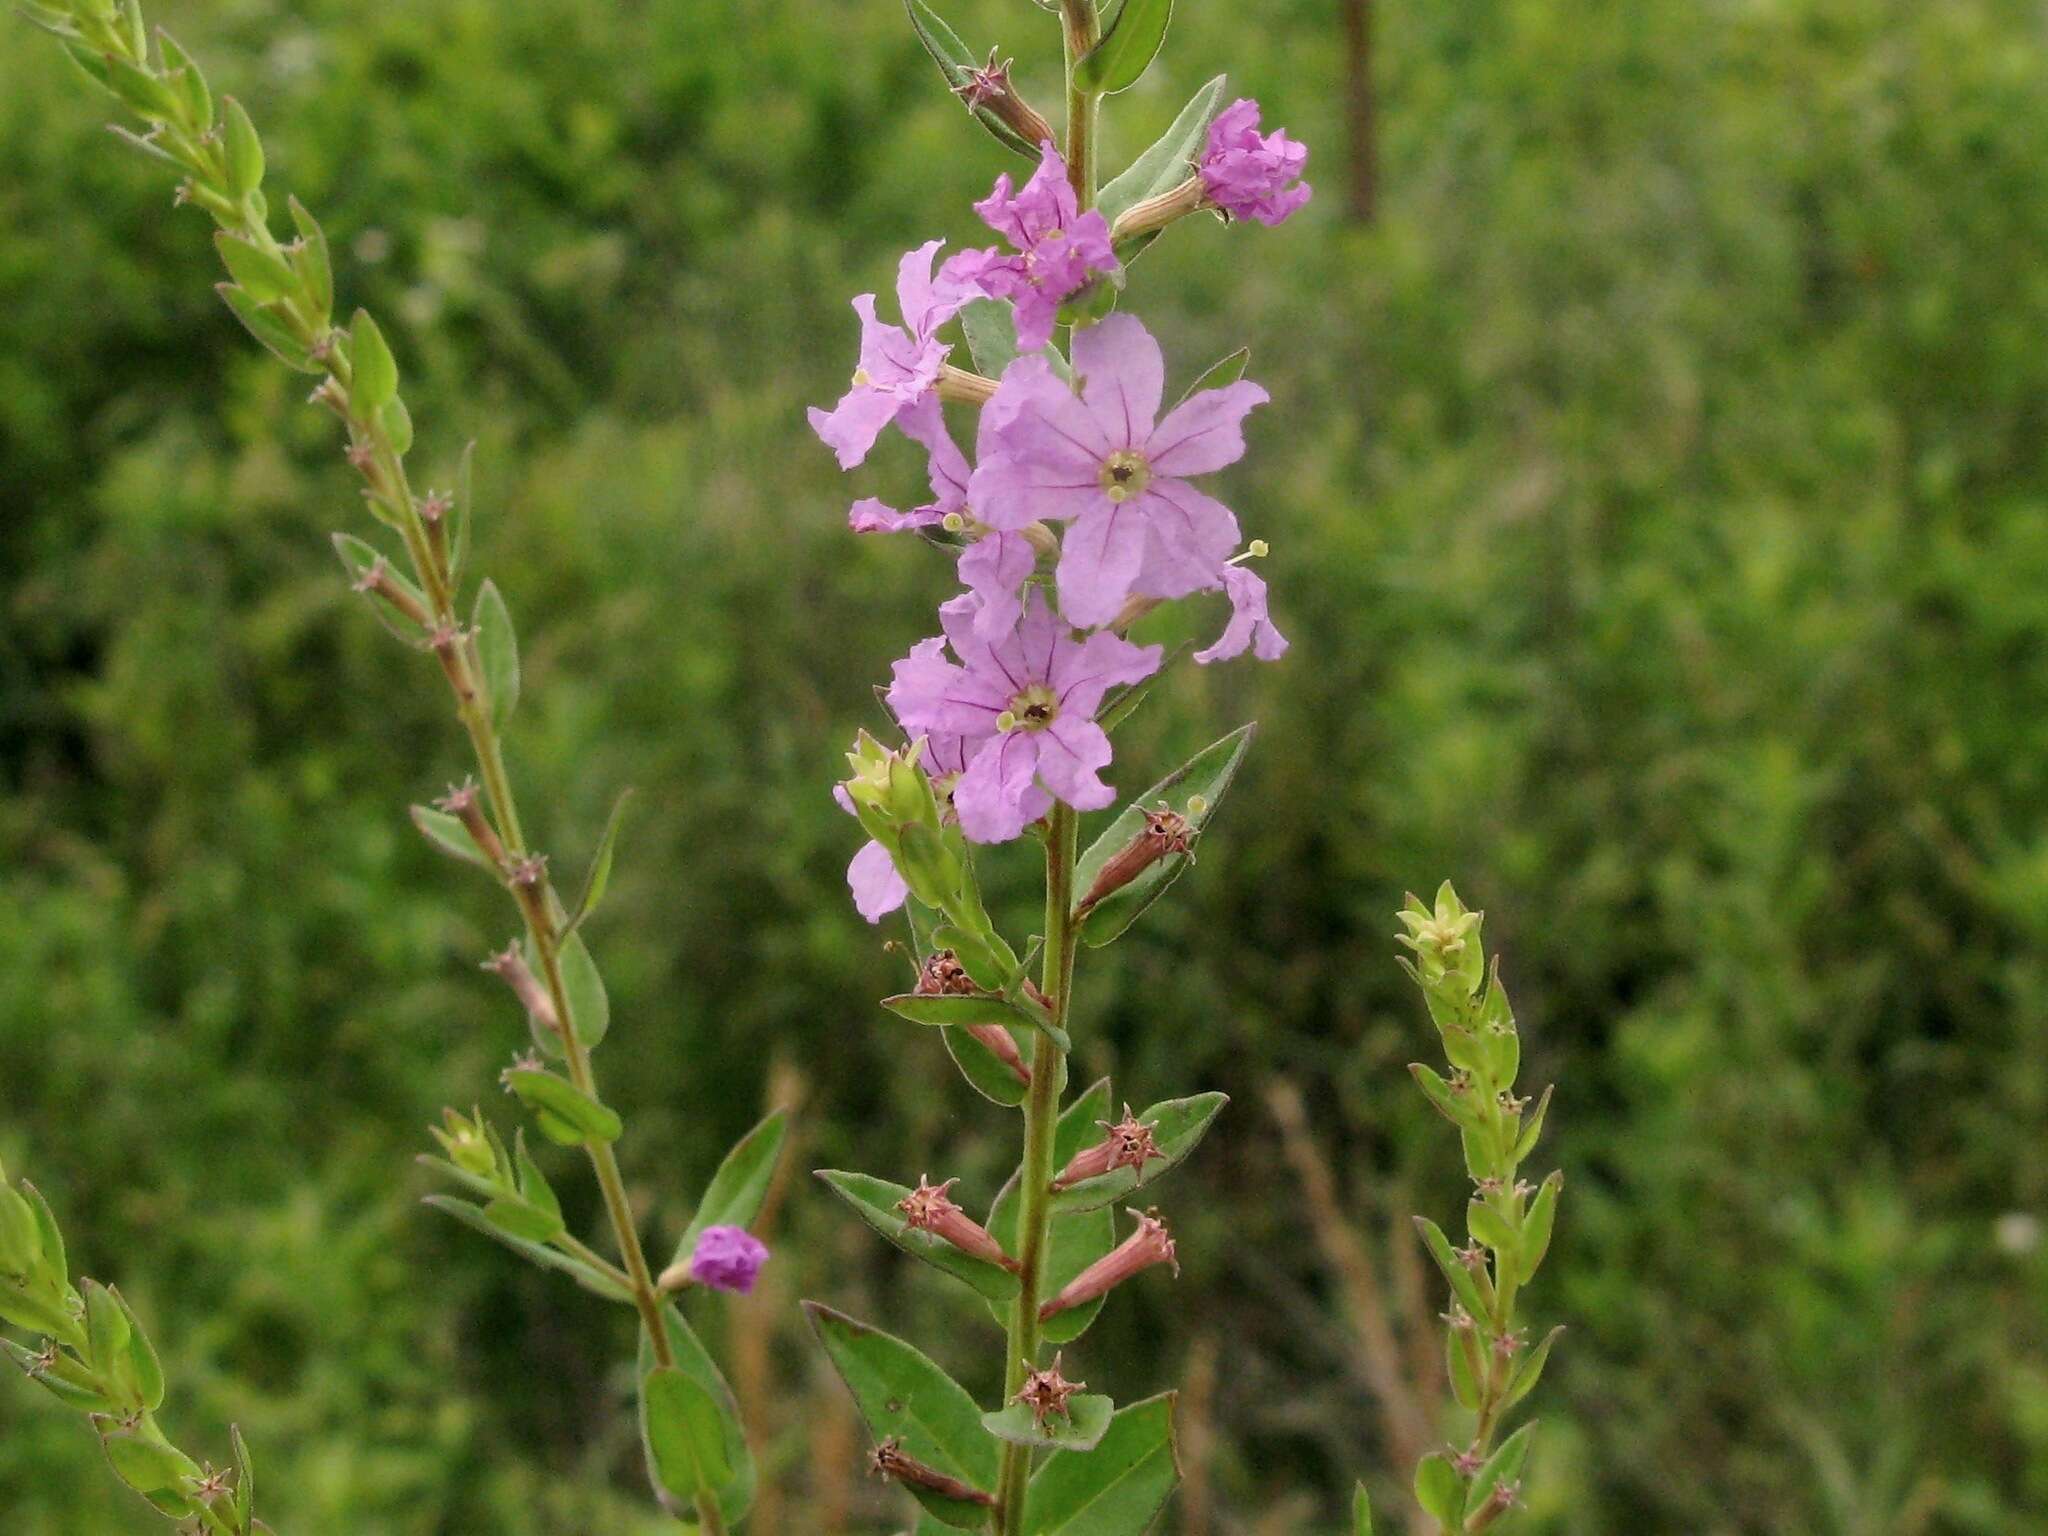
x: 728, y: 1259
x: 1150, y: 1244
x: 1105, y: 460
x: 930, y: 1208
x: 1024, y: 707
x: 899, y: 364
x: 1250, y: 175
x: 1250, y: 626
x: 1058, y: 249
x: 1047, y: 1392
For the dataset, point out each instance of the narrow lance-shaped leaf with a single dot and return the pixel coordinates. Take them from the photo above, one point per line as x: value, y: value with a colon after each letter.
x: 736, y: 1494
x: 903, y: 1396
x: 1177, y: 1125
x: 1361, y: 1512
x: 1171, y: 157
x: 497, y: 650
x: 734, y: 1195
x: 684, y: 1436
x: 1133, y: 42
x: 1504, y: 1466
x: 600, y: 877
x: 958, y: 63
x: 876, y: 1202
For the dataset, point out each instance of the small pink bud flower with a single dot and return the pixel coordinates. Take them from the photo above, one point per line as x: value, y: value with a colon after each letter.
x: 988, y: 89
x: 942, y: 975
x: 1047, y: 1391
x: 464, y: 803
x: 510, y: 966
x: 1126, y: 1143
x: 1166, y: 833
x: 376, y: 582
x: 890, y: 1462
x: 1150, y: 1244
x: 728, y: 1259
x: 928, y: 1208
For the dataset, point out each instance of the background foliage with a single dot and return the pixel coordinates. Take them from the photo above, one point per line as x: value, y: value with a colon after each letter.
x: 1657, y: 493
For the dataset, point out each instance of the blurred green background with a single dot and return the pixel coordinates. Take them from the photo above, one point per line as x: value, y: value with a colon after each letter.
x: 1657, y: 494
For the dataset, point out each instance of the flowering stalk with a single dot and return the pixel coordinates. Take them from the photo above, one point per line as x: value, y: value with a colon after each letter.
x: 95, y: 1357
x: 284, y: 294
x: 1083, y: 508
x: 1509, y: 1221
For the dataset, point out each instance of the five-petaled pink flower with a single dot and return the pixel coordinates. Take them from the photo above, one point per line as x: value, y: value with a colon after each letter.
x: 1058, y: 249
x: 899, y: 364
x: 1250, y: 175
x: 1024, y: 706
x: 1105, y: 461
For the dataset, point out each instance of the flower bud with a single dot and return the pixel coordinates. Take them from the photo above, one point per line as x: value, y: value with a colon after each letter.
x: 988, y: 92
x: 891, y: 794
x: 377, y: 582
x: 1445, y: 941
x: 21, y: 1239
x: 890, y: 1462
x: 1166, y: 833
x: 464, y: 803
x: 465, y: 1142
x: 942, y: 975
x: 1127, y: 1143
x: 928, y: 1208
x: 726, y: 1258
x: 1150, y: 1244
x: 511, y: 967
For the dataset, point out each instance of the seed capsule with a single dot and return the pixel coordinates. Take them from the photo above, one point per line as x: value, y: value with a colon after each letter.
x: 928, y: 1208
x: 1150, y: 1244
x: 889, y: 1461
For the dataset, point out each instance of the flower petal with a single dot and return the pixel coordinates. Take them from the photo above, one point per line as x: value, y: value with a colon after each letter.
x: 1071, y: 754
x: 1191, y: 536
x: 1249, y: 625
x: 994, y: 798
x: 1099, y: 562
x: 994, y: 568
x: 850, y: 428
x: 1123, y: 375
x: 1205, y: 432
x: 877, y: 889
x: 869, y: 515
x: 924, y: 423
x: 1084, y: 673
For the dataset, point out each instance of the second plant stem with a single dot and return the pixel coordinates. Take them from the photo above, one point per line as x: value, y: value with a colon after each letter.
x: 1041, y: 1121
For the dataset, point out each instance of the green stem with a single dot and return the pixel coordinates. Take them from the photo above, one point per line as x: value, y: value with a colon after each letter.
x: 1041, y: 1120
x: 1082, y: 25
x: 388, y: 484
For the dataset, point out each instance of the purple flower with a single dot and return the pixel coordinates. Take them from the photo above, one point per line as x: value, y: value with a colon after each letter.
x: 1058, y: 249
x: 899, y: 364
x: 877, y: 888
x: 1104, y: 460
x: 1024, y: 708
x: 1250, y: 175
x: 728, y: 1259
x: 1249, y: 625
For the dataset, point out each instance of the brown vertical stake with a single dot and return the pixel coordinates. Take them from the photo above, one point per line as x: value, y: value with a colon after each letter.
x: 1361, y: 110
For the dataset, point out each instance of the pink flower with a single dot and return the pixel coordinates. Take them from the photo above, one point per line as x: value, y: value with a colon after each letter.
x: 1249, y: 625
x: 728, y: 1259
x: 1024, y: 708
x: 899, y: 364
x: 877, y: 888
x: 1250, y: 175
x: 1105, y: 461
x: 1058, y: 249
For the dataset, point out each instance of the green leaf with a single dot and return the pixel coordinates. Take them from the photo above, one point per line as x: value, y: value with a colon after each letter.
x: 736, y: 1494
x: 1455, y: 1107
x: 1118, y: 1488
x: 396, y: 420
x: 1538, y: 1223
x: 590, y: 1005
x: 903, y: 1395
x: 263, y: 276
x: 600, y: 876
x: 987, y: 1073
x: 312, y: 261
x: 46, y: 1224
x: 1532, y: 1128
x: 71, y: 1394
x: 141, y: 90
x: 565, y: 1102
x: 1439, y: 1491
x: 148, y: 1466
x: 267, y: 325
x: 1529, y: 1371
x: 245, y: 1475
x: 497, y: 650
x: 684, y: 1435
x: 1458, y: 1365
x: 548, y: 1258
x: 244, y: 151
x: 876, y: 1200
x: 183, y: 74
x: 148, y: 1371
x: 957, y: 63
x: 976, y: 1008
x: 107, y: 1335
x: 1503, y: 1466
x: 448, y: 835
x: 1081, y: 1428
x: 991, y: 332
x: 1490, y: 1227
x: 373, y: 375
x: 1178, y: 1125
x: 1204, y: 779
x: 462, y: 513
x: 525, y: 1221
x: 734, y: 1195
x: 1075, y: 1239
x: 1463, y: 1285
x: 1361, y: 1512
x: 1133, y: 42
x: 1171, y: 158
x: 534, y: 1188
x: 1224, y: 371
